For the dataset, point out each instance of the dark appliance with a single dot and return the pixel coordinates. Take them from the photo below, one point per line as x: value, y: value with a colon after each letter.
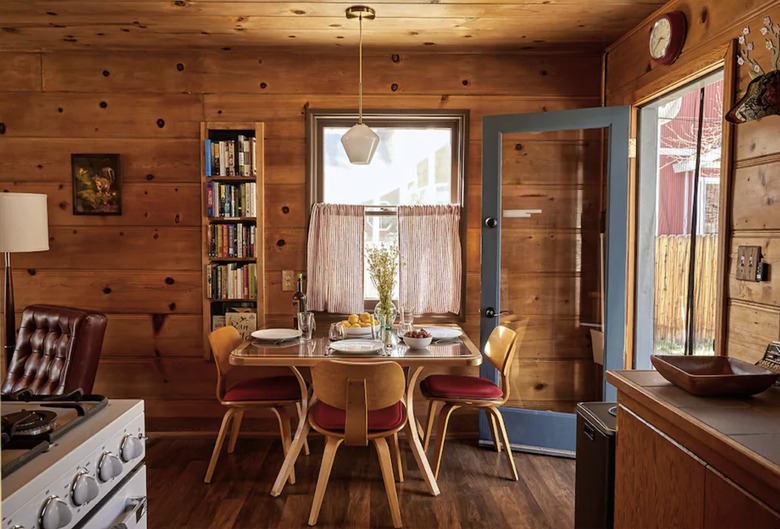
x: 594, y: 489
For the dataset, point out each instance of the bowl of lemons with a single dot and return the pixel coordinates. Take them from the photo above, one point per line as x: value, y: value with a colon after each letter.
x: 359, y: 325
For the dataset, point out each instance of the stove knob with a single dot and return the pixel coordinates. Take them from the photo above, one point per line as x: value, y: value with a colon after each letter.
x: 55, y: 514
x: 85, y: 489
x: 110, y: 467
x: 132, y: 447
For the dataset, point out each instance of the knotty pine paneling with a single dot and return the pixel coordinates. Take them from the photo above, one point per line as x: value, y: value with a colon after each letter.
x: 142, y: 268
x: 753, y: 314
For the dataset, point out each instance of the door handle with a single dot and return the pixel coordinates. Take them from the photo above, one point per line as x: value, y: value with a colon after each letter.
x: 490, y: 312
x: 491, y: 222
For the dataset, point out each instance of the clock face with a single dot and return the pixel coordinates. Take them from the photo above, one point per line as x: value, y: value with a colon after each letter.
x: 660, y: 37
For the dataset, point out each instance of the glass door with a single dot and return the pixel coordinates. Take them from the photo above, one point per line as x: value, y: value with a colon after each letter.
x: 542, y: 260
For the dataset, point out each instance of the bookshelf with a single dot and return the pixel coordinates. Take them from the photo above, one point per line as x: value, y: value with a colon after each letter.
x: 231, y: 221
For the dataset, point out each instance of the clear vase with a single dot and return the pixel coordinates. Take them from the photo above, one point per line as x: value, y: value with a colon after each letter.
x: 385, y: 313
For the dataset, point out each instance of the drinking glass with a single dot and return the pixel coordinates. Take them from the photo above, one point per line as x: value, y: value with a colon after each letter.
x: 307, y: 325
x: 336, y: 332
x: 406, y: 323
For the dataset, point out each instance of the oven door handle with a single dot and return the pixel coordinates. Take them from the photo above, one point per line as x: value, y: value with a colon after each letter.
x: 134, y: 511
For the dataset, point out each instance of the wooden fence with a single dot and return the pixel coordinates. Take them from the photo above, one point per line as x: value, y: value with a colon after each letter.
x: 671, y: 287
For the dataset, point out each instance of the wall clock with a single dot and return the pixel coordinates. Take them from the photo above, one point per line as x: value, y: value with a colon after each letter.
x: 667, y: 37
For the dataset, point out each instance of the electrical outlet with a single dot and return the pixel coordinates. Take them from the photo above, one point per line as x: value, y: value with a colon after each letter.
x: 748, y: 261
x: 288, y: 280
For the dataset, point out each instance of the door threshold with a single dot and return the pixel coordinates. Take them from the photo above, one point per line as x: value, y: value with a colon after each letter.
x: 569, y: 454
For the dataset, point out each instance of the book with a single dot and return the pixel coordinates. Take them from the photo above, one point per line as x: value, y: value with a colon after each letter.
x: 217, y: 322
x: 244, y: 322
x: 207, y: 160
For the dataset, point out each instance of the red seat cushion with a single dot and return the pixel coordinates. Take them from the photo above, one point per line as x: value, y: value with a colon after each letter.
x: 271, y: 388
x: 330, y: 418
x: 460, y: 387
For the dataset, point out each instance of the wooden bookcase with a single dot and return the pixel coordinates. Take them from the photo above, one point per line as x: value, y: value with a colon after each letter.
x: 216, y: 131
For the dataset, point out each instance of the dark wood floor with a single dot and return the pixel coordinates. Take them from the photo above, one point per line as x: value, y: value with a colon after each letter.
x: 475, y: 491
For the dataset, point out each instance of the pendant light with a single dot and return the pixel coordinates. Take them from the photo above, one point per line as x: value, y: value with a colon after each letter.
x: 360, y: 142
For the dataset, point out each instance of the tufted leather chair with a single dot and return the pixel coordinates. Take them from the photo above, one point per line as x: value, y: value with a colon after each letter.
x: 57, y: 350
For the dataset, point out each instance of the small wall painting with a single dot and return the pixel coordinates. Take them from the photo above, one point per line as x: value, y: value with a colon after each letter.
x: 96, y: 184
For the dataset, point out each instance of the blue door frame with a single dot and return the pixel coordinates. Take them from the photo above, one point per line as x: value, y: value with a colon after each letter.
x: 545, y: 431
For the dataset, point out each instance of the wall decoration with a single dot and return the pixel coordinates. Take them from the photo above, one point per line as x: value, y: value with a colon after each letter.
x: 96, y: 184
x: 762, y: 97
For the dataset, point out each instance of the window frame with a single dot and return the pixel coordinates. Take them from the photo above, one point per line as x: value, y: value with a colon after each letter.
x: 646, y: 136
x: 456, y: 120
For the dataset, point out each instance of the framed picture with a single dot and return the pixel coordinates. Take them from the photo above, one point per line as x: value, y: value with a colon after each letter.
x: 97, y: 188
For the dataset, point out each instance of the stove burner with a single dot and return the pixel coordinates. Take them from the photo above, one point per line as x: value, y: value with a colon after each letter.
x: 27, y: 423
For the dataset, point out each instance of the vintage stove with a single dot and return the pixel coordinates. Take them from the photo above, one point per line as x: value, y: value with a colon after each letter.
x: 72, y: 461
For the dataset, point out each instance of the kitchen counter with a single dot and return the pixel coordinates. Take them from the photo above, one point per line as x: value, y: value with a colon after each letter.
x: 735, y: 439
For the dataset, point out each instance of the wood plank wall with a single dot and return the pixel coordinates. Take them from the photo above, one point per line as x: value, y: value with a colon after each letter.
x: 753, y: 312
x: 143, y: 268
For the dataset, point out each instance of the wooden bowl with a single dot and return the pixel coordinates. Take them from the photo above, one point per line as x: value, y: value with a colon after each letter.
x: 708, y: 376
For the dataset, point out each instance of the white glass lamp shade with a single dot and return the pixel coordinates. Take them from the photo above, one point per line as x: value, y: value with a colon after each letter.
x: 360, y: 142
x: 24, y: 223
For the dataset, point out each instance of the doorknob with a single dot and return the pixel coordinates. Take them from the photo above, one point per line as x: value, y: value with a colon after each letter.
x: 490, y: 312
x: 491, y: 222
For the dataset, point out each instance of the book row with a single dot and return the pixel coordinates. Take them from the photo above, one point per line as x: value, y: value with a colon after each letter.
x: 231, y: 157
x: 232, y: 281
x: 231, y: 200
x: 232, y: 240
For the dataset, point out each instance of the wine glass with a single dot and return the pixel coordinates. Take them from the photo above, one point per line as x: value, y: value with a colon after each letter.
x: 336, y: 332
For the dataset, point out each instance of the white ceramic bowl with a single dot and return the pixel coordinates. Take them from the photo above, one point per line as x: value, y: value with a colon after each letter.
x: 418, y: 343
x: 362, y: 332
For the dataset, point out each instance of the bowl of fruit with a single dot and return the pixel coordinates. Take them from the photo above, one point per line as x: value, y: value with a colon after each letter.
x: 359, y: 325
x: 418, y: 339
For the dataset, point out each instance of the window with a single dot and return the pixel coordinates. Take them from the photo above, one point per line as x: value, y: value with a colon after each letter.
x: 678, y: 221
x: 420, y: 160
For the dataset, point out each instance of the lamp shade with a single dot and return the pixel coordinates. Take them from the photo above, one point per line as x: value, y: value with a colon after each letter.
x: 24, y: 222
x: 360, y: 142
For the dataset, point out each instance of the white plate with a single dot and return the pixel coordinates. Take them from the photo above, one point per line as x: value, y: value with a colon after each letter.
x: 276, y: 335
x: 356, y: 346
x: 361, y: 331
x: 443, y: 333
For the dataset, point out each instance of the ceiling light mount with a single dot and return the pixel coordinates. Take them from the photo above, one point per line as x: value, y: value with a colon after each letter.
x: 361, y: 12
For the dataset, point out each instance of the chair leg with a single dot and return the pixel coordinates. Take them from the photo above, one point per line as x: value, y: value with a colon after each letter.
x: 429, y: 424
x: 396, y: 449
x: 306, y: 441
x: 218, y: 445
x: 387, y: 475
x: 441, y: 433
x: 331, y: 445
x: 494, y: 431
x: 236, y: 427
x: 284, y: 432
x: 505, y: 440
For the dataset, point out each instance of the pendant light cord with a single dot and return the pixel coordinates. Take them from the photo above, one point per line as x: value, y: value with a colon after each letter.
x: 360, y: 83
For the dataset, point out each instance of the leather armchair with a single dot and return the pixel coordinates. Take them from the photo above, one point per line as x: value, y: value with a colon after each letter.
x: 57, y: 350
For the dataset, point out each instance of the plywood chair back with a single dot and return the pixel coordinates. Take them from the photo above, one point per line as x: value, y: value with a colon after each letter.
x: 500, y: 351
x: 357, y: 388
x: 223, y: 341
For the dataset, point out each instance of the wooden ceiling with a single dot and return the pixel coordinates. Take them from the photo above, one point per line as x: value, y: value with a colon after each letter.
x: 573, y: 25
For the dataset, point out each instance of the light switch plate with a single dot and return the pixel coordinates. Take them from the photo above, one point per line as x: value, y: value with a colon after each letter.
x: 288, y: 280
x: 748, y: 258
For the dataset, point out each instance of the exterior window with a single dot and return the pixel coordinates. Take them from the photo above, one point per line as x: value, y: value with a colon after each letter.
x: 420, y: 161
x: 678, y: 221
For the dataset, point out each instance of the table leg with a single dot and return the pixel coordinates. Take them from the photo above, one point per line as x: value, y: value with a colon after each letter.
x: 298, y: 441
x: 413, y: 435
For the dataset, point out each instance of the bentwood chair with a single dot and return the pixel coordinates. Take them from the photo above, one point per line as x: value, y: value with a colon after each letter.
x: 457, y: 391
x: 354, y: 403
x: 273, y: 393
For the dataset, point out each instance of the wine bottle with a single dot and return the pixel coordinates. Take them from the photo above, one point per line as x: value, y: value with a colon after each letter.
x: 299, y: 301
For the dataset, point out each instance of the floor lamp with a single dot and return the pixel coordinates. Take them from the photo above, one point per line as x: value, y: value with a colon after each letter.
x: 24, y: 227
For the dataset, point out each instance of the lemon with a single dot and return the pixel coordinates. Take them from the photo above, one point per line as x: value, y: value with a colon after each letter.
x: 365, y: 317
x: 353, y: 318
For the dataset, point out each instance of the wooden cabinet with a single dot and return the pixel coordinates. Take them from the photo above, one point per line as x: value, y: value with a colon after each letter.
x: 729, y: 506
x: 658, y: 484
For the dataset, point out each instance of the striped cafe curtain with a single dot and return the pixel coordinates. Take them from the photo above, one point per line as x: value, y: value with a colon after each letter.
x: 334, y: 264
x: 431, y: 271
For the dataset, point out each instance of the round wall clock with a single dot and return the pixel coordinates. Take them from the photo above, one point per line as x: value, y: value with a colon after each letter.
x: 667, y: 37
